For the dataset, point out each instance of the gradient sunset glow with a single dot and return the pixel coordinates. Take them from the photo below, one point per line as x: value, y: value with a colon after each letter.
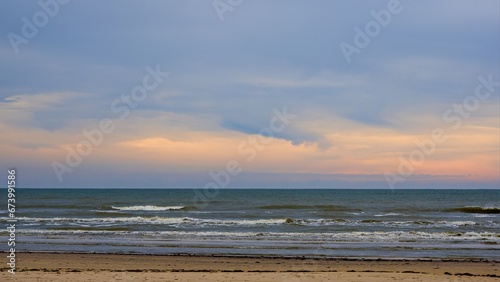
x: 353, y: 122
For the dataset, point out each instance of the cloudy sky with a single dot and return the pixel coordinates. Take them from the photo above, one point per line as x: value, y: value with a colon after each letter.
x: 352, y: 94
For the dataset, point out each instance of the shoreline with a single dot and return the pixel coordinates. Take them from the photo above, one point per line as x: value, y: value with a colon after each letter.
x: 264, y: 256
x: 58, y: 266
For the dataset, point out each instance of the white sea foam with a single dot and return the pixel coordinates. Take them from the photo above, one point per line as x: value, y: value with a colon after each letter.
x: 214, y: 223
x: 485, y: 215
x: 152, y: 220
x: 366, y: 237
x: 389, y: 214
x: 459, y: 223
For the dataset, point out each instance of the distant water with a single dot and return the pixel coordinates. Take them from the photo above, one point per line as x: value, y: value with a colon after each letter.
x: 309, y: 222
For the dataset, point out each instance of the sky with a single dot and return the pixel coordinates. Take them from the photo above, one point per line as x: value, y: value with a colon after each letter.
x: 250, y: 94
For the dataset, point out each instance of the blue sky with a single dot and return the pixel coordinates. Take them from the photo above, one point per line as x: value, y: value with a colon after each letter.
x: 354, y: 120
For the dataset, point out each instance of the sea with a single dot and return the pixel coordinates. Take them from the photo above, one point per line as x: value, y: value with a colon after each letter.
x: 334, y: 223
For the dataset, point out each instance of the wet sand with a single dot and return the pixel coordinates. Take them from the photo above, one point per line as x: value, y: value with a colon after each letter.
x: 108, y: 267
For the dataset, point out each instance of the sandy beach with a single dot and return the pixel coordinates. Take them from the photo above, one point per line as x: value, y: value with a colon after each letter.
x: 108, y: 267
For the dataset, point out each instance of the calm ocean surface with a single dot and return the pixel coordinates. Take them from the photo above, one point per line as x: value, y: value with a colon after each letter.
x: 309, y: 222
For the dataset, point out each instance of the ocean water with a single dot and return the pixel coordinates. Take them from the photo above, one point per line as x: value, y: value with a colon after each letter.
x: 295, y: 222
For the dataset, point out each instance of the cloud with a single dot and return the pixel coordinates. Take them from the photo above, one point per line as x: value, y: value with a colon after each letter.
x: 227, y: 77
x: 39, y: 110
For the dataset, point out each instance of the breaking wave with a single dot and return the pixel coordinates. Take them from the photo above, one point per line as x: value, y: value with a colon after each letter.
x: 487, y: 210
x: 179, y: 222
